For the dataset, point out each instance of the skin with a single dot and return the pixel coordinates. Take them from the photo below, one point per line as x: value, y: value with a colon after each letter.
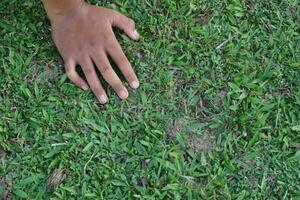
x: 84, y: 36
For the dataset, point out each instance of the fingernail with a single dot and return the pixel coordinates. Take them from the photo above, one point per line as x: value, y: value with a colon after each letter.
x: 136, y: 34
x: 123, y: 94
x: 135, y: 84
x: 102, y: 99
x: 85, y: 87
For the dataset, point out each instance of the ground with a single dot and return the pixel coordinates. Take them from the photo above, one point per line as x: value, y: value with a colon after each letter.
x: 216, y: 117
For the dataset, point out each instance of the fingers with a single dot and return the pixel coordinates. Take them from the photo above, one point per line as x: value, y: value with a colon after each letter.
x: 126, y: 24
x: 92, y: 78
x: 70, y: 67
x: 115, y: 51
x: 102, y: 63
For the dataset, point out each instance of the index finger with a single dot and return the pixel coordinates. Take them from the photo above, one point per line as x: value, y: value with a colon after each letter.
x: 115, y: 51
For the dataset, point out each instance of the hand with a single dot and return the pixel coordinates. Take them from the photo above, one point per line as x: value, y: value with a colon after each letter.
x: 84, y: 36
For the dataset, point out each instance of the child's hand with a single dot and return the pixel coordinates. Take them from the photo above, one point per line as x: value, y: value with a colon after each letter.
x: 83, y: 36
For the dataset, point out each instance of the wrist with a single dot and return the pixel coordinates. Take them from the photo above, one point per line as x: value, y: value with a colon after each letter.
x: 56, y: 8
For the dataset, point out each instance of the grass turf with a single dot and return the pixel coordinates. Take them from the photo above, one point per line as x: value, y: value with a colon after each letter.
x: 216, y: 117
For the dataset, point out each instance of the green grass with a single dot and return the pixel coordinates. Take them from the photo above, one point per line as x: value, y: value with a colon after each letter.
x: 217, y: 115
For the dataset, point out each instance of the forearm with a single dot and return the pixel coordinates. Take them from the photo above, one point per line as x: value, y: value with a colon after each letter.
x: 56, y: 7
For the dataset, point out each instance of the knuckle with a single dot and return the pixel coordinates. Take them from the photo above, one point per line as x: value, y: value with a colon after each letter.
x: 88, y: 71
x: 106, y: 36
x: 105, y: 69
x: 131, y: 23
x: 122, y: 60
x: 110, y: 44
x: 92, y: 44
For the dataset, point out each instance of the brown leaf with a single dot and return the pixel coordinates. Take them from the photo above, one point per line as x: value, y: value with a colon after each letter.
x: 5, y: 189
x: 144, y: 181
x: 55, y: 179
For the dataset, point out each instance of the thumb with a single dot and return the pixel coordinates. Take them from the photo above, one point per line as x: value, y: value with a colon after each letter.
x: 127, y: 25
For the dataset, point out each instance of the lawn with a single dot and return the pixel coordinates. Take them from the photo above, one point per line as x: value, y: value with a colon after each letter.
x: 217, y: 115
